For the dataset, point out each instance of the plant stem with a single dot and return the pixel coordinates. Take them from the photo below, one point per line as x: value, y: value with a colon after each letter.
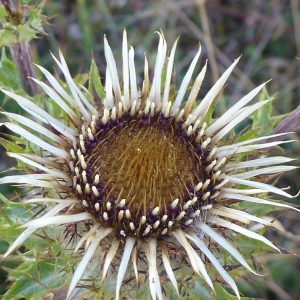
x: 21, y: 53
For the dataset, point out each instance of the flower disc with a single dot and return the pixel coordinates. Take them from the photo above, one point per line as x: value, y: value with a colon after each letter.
x: 143, y: 175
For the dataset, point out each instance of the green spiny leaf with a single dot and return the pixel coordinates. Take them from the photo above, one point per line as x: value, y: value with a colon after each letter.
x: 9, y: 76
x: 34, y: 280
x: 95, y: 81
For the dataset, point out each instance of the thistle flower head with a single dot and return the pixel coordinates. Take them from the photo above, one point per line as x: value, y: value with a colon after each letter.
x: 146, y: 170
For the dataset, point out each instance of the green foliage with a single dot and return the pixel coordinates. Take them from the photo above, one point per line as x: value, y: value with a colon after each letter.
x: 13, y: 212
x: 47, y: 275
x: 41, y: 268
x: 21, y: 23
x: 222, y: 294
x: 11, y: 146
x: 95, y: 84
x: 263, y: 121
x: 9, y: 77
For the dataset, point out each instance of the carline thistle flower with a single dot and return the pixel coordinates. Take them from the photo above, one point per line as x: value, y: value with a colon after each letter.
x: 149, y: 174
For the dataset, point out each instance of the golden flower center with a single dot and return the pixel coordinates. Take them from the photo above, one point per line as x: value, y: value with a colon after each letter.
x: 144, y: 176
x: 146, y: 166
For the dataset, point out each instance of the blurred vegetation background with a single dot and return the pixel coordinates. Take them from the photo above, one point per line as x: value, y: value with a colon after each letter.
x: 265, y: 32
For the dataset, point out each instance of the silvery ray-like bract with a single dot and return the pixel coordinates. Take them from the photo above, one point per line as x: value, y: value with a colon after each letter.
x: 147, y: 171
